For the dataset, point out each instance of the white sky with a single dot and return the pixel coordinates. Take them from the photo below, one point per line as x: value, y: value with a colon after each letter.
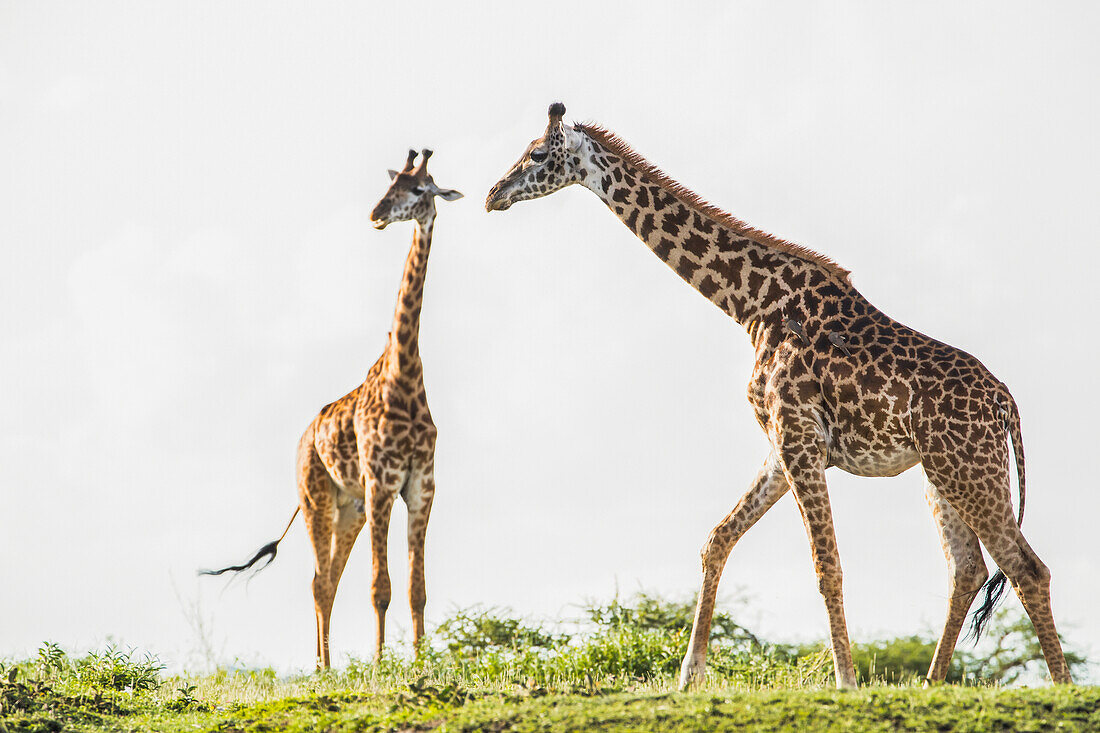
x: 189, y: 274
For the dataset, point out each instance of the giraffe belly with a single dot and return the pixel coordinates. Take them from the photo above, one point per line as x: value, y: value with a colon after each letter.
x: 868, y: 442
x: 875, y: 461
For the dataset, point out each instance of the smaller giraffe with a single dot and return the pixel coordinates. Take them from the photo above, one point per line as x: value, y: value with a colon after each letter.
x: 377, y: 442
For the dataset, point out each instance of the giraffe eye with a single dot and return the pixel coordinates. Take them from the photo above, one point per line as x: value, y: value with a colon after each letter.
x: 416, y: 191
x: 538, y: 155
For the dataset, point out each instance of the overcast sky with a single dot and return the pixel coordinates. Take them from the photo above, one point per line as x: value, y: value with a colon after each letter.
x: 188, y: 274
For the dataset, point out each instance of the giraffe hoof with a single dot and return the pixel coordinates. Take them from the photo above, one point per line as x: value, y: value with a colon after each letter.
x: 691, y: 674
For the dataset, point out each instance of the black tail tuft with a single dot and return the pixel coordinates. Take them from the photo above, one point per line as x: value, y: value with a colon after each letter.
x: 267, y: 551
x: 994, y: 589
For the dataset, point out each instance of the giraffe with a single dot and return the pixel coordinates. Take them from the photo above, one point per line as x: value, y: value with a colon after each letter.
x: 835, y: 382
x: 377, y: 442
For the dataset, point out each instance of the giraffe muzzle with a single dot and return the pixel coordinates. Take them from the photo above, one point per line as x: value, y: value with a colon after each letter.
x: 497, y: 200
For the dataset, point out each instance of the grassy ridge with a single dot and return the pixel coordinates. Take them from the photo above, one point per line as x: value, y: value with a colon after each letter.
x: 484, y: 671
x: 116, y: 691
x: 875, y: 708
x: 796, y: 710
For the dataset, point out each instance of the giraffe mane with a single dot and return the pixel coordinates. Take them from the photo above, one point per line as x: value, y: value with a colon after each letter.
x: 619, y: 147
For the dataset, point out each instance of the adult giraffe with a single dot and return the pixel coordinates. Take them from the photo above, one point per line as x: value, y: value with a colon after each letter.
x: 377, y: 442
x: 836, y: 383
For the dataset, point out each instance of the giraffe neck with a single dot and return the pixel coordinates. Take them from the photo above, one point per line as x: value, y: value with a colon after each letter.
x: 403, y: 348
x: 756, y: 279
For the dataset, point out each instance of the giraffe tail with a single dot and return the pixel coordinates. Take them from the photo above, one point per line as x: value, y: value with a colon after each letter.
x: 995, y: 586
x: 267, y: 551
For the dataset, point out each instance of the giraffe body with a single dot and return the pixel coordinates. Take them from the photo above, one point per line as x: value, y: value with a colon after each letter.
x: 879, y: 402
x: 356, y: 457
x: 377, y: 442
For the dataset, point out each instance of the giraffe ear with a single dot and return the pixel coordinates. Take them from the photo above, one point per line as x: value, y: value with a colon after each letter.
x: 573, y: 138
x: 393, y: 173
x: 448, y: 194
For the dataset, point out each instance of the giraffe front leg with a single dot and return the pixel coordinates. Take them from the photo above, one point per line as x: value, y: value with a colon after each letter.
x: 768, y: 488
x: 804, y: 465
x: 381, y: 504
x: 968, y: 574
x: 418, y: 497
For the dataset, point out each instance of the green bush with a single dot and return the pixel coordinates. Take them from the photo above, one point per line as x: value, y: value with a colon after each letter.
x: 617, y: 645
x: 901, y: 660
x: 651, y: 612
x: 1008, y: 653
x: 43, y: 693
x: 1010, y: 650
x: 468, y: 633
x: 118, y: 671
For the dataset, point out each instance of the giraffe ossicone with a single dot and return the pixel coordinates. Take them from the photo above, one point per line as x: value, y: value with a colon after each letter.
x: 377, y: 442
x: 897, y: 399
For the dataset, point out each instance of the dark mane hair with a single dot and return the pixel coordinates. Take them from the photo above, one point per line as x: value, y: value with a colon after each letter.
x: 619, y: 147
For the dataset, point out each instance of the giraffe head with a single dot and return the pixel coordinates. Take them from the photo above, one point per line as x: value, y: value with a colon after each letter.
x: 411, y: 194
x: 553, y: 161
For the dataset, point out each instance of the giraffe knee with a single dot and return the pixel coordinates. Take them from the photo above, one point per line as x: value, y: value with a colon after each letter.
x: 1035, y: 573
x: 969, y: 575
x: 714, y: 553
x: 830, y: 581
x: 1042, y: 573
x: 320, y: 587
x: 381, y: 596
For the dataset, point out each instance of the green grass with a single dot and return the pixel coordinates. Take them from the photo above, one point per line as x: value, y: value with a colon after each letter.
x: 336, y: 706
x: 718, y: 710
x: 483, y: 670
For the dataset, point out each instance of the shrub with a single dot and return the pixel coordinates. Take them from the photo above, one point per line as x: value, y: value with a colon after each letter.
x: 903, y: 659
x: 1011, y: 651
x: 618, y: 644
x: 470, y: 632
x: 649, y: 611
x: 54, y: 688
x: 115, y: 670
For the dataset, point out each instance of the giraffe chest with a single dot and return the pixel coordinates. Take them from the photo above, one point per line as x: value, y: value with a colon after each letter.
x: 373, y: 438
x: 385, y: 450
x: 396, y: 440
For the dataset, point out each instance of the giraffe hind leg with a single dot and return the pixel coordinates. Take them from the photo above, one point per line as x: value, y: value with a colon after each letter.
x: 984, y: 503
x: 317, y: 499
x: 380, y: 499
x: 348, y: 521
x: 418, y: 495
x: 968, y: 574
